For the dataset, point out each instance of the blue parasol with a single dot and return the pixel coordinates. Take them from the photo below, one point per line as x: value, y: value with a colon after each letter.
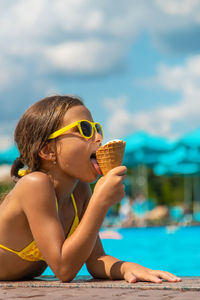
x: 192, y: 139
x: 143, y: 148
x: 9, y: 155
x: 184, y: 160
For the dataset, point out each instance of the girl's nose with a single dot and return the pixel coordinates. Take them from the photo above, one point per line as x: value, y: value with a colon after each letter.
x: 97, y: 137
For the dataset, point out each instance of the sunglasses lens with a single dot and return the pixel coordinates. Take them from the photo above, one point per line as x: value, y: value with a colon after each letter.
x: 86, y: 128
x: 99, y: 129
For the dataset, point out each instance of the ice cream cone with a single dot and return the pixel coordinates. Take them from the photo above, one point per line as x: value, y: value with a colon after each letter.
x: 110, y: 155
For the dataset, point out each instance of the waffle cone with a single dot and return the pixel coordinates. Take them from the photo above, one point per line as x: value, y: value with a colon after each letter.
x: 110, y: 156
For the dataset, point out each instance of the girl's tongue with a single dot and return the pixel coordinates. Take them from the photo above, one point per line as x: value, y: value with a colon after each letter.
x: 95, y: 165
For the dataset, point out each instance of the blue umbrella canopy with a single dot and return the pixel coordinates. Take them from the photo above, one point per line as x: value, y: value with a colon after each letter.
x: 181, y: 168
x: 142, y: 139
x: 192, y: 139
x: 180, y: 154
x: 184, y: 158
x: 9, y: 155
x: 143, y: 148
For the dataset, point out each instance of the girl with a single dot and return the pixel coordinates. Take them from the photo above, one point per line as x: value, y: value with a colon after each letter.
x: 50, y: 217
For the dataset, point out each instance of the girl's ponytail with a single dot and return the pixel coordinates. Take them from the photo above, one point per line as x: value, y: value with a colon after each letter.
x: 16, y: 166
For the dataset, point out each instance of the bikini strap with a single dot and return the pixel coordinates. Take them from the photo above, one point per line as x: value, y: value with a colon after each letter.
x: 56, y: 204
x: 76, y: 218
x: 74, y: 203
x: 8, y: 249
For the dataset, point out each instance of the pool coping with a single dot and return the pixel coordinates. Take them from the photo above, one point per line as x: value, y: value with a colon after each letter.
x: 188, y: 283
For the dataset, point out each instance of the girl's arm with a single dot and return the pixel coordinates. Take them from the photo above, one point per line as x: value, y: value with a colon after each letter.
x: 66, y: 256
x: 105, y: 266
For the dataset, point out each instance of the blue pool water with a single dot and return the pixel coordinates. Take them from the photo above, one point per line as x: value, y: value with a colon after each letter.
x: 173, y: 249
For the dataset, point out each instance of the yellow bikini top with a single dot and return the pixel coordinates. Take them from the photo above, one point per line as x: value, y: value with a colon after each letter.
x: 32, y: 252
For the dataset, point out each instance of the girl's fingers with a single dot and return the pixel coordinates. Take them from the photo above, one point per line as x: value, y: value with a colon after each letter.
x: 167, y: 276
x: 120, y: 171
x: 170, y: 274
x: 149, y: 277
x: 153, y: 278
x: 129, y: 277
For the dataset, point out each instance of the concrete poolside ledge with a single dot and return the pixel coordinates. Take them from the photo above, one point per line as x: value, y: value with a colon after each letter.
x: 187, y: 284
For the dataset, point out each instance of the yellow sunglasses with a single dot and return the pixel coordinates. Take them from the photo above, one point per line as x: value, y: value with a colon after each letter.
x: 86, y: 129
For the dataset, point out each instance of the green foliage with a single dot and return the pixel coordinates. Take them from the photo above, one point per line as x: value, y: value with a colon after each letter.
x: 5, y: 188
x: 165, y: 190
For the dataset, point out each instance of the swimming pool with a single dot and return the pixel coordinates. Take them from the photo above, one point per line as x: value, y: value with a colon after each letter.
x: 173, y: 249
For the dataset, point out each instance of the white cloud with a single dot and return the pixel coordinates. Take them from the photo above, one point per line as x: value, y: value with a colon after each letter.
x: 119, y: 119
x: 6, y: 142
x: 163, y: 119
x: 10, y: 72
x: 183, y: 78
x: 85, y: 57
x: 178, y: 7
x: 72, y: 29
x: 86, y: 37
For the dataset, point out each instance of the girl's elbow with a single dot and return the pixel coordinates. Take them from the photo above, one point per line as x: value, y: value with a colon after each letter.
x: 66, y: 277
x: 65, y: 274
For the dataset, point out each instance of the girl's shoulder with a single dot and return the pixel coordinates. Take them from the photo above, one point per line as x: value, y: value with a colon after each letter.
x: 34, y: 179
x: 30, y: 193
x: 36, y: 183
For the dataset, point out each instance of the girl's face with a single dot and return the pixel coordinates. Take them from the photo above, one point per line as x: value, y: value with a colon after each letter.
x: 73, y: 151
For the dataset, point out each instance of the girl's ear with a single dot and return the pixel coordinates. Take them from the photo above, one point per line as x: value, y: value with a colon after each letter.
x: 47, y: 152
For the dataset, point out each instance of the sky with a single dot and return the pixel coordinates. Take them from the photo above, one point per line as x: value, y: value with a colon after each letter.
x: 135, y: 63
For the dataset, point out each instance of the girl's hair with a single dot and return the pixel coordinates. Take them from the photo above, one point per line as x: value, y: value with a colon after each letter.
x: 34, y: 128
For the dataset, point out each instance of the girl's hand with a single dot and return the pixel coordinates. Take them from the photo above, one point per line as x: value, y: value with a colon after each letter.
x: 110, y: 187
x: 133, y: 272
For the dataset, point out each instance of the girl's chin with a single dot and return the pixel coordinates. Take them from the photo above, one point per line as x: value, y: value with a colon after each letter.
x: 88, y: 175
x: 91, y: 177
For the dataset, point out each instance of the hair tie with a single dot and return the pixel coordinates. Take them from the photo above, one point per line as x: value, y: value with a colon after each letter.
x: 22, y: 173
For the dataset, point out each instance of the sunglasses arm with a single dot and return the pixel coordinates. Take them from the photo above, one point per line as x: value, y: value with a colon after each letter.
x: 62, y: 130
